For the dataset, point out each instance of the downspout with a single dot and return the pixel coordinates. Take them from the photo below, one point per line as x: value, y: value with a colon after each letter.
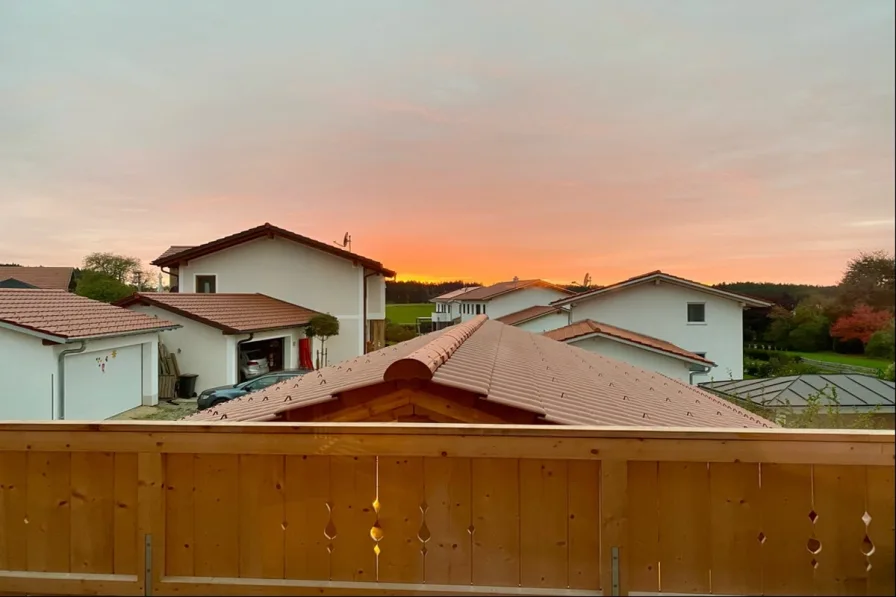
x: 693, y: 373
x: 60, y: 367
x: 238, y: 345
x: 168, y: 273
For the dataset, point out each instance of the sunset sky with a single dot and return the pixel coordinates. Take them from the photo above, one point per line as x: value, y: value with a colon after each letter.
x: 719, y: 140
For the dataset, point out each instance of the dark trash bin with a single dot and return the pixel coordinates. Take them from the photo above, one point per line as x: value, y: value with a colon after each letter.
x: 186, y: 385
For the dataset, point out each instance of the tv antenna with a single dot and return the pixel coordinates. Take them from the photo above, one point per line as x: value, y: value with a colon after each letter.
x: 346, y: 242
x: 587, y: 281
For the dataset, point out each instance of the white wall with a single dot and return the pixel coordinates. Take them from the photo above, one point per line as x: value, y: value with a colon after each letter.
x: 376, y: 297
x: 545, y: 323
x: 27, y: 377
x: 645, y: 359
x: 103, y: 383
x: 521, y: 299
x: 661, y: 311
x: 294, y: 273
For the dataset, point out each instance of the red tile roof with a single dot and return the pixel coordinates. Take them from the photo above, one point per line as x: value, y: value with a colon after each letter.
x: 454, y: 294
x: 658, y: 275
x: 172, y: 250
x: 232, y: 313
x: 588, y: 327
x: 504, y: 364
x: 528, y: 314
x: 171, y: 257
x: 41, y: 277
x: 71, y: 317
x: 485, y: 293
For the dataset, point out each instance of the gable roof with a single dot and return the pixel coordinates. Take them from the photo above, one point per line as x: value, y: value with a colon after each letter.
x: 587, y: 328
x: 172, y: 257
x: 486, y: 293
x: 659, y: 276
x: 13, y: 283
x: 528, y: 314
x: 231, y: 313
x: 39, y: 277
x: 62, y: 316
x: 500, y: 363
x: 857, y: 393
x: 454, y: 294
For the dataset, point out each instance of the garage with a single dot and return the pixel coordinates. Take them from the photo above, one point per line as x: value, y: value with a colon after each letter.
x: 261, y: 356
x: 76, y: 358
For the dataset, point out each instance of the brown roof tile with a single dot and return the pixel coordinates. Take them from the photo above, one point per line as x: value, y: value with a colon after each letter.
x: 168, y: 259
x: 528, y: 314
x: 41, y: 277
x: 587, y: 327
x: 172, y: 250
x: 69, y: 316
x: 485, y: 293
x: 504, y: 364
x: 658, y: 275
x: 454, y: 294
x: 232, y: 313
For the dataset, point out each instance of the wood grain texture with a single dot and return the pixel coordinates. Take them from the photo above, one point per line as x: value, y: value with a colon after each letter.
x: 125, y: 514
x: 736, y: 525
x: 180, y: 486
x: 584, y: 524
x: 544, y: 523
x: 261, y: 517
x: 353, y: 490
x: 13, y: 511
x: 644, y: 527
x: 448, y: 489
x: 307, y: 493
x: 496, y: 518
x: 92, y: 512
x: 401, y: 494
x: 49, y: 511
x: 684, y: 529
x: 216, y: 515
x: 786, y: 497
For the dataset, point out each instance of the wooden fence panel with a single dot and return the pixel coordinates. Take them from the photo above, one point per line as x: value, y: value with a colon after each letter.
x: 125, y: 515
x: 180, y: 486
x: 496, y: 526
x: 400, y: 493
x: 544, y: 523
x: 584, y: 524
x: 307, y: 481
x: 49, y: 512
x: 13, y: 511
x: 684, y: 527
x: 448, y: 489
x: 644, y: 527
x: 261, y: 516
x: 736, y: 528
x: 216, y: 515
x: 92, y: 512
x: 881, y: 519
x: 840, y: 503
x: 353, y: 492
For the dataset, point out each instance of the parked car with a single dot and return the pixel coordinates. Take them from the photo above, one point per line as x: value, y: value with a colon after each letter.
x: 253, y: 363
x: 214, y: 396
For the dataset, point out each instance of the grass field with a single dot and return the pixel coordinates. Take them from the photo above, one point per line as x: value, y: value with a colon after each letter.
x: 856, y: 360
x: 408, y: 313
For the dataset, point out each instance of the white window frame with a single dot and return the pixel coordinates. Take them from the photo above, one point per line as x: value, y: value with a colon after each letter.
x: 196, y: 283
x: 688, y: 312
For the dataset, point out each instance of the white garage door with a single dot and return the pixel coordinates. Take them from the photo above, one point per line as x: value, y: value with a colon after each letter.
x: 103, y: 383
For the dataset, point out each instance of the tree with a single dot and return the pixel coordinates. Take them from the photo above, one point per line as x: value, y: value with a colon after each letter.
x: 323, y: 326
x: 10, y: 265
x: 780, y: 327
x: 119, y: 267
x: 101, y: 287
x: 860, y: 324
x: 881, y: 343
x: 870, y: 279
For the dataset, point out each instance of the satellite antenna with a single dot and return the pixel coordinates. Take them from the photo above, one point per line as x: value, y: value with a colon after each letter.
x: 587, y: 281
x: 346, y: 242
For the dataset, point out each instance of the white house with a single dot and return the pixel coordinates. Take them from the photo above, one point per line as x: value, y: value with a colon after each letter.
x: 702, y: 320
x: 215, y: 327
x: 537, y: 319
x: 293, y: 268
x: 63, y: 356
x: 497, y: 300
x: 635, y: 349
x: 447, y: 306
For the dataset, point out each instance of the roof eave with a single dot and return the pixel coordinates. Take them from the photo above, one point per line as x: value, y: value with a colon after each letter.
x: 234, y: 331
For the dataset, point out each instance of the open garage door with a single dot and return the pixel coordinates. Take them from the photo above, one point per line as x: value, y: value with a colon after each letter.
x: 103, y: 383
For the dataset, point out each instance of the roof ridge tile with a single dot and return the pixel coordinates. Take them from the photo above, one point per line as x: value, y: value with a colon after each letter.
x: 423, y: 362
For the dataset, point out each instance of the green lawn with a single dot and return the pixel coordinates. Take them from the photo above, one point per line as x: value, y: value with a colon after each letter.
x: 409, y: 313
x: 844, y: 359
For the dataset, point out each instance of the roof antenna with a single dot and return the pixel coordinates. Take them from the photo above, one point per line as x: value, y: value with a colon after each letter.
x: 346, y: 242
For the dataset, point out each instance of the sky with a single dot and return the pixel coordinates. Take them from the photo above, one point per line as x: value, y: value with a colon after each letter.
x: 718, y: 140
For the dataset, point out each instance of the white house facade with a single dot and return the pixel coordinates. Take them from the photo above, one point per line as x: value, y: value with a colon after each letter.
x: 496, y: 300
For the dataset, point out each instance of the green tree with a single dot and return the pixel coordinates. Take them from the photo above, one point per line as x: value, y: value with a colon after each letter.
x: 119, y: 267
x: 882, y: 343
x: 101, y: 287
x: 779, y: 330
x: 870, y: 279
x: 322, y: 327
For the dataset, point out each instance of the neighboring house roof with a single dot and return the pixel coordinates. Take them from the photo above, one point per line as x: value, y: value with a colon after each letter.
x: 485, y: 293
x: 13, y: 283
x: 231, y: 313
x: 587, y: 328
x: 500, y: 363
x: 62, y: 316
x: 39, y: 277
x: 659, y: 276
x: 454, y: 294
x: 173, y: 250
x: 528, y: 314
x: 854, y: 392
x: 172, y: 257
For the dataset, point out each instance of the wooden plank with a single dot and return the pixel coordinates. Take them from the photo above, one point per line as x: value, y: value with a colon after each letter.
x: 353, y: 483
x: 307, y: 485
x: 13, y: 511
x: 92, y: 512
x: 786, y: 500
x: 544, y: 523
x: 496, y: 518
x: 125, y: 516
x: 150, y: 521
x: 881, y: 530
x: 449, y: 517
x: 261, y: 517
x: 401, y: 496
x: 840, y: 504
x: 735, y: 527
x: 584, y: 524
x: 179, y: 534
x: 216, y: 515
x: 49, y: 511
x: 614, y: 527
x: 684, y: 536
x: 644, y: 527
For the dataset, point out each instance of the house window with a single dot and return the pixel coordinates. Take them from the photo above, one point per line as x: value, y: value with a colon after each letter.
x: 206, y: 284
x: 478, y: 309
x: 696, y: 312
x: 699, y: 368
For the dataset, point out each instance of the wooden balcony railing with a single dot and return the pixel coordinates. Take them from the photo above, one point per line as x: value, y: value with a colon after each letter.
x: 187, y: 509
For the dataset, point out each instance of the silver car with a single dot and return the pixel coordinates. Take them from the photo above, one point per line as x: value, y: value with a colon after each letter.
x: 253, y: 363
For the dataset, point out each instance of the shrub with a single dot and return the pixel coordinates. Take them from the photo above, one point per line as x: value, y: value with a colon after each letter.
x: 889, y: 373
x: 396, y: 333
x: 881, y: 345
